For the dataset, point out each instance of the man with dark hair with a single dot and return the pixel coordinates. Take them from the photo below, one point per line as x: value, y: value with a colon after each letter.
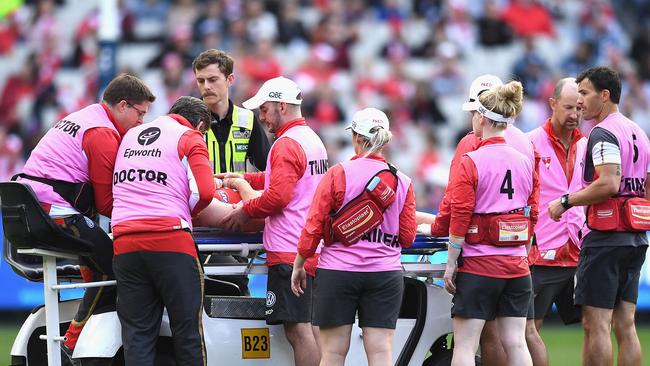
x: 297, y: 163
x: 156, y: 262
x: 554, y: 259
x: 234, y: 135
x: 127, y: 87
x: 81, y: 149
x: 194, y: 110
x: 616, y: 168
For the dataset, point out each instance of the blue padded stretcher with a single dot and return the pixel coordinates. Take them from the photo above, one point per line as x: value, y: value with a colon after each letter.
x: 211, y: 241
x: 208, y: 236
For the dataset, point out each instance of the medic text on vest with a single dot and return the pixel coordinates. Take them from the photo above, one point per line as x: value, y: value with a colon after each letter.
x: 378, y: 236
x: 636, y: 185
x: 318, y: 166
x: 139, y: 175
x: 68, y: 126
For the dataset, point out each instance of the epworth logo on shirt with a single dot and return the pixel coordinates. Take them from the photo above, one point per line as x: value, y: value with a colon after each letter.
x: 149, y: 136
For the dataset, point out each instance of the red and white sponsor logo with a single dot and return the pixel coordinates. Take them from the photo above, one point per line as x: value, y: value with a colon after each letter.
x: 385, y: 195
x: 472, y: 229
x: 605, y: 213
x: 362, y: 216
x: 641, y: 212
x: 514, y: 226
x: 513, y: 231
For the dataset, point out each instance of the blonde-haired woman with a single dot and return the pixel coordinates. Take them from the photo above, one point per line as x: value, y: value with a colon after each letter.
x: 494, y: 185
x: 364, y: 277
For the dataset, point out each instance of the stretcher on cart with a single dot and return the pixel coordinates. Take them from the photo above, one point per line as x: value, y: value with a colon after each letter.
x: 214, y: 242
x: 423, y: 325
x: 235, y: 331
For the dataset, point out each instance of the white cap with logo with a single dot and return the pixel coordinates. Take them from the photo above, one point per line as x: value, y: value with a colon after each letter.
x: 479, y: 85
x: 365, y: 120
x: 278, y: 89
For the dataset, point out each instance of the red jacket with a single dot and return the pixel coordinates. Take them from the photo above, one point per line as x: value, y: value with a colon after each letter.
x: 288, y: 162
x: 468, y: 143
x: 568, y: 254
x: 155, y: 235
x: 462, y: 193
x: 441, y: 226
x: 329, y: 198
x: 100, y: 146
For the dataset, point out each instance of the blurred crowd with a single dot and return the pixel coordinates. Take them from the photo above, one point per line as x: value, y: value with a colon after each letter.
x: 414, y: 59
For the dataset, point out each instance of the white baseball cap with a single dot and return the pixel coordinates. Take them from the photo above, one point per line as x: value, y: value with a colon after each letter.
x: 365, y: 120
x: 278, y: 89
x: 479, y: 85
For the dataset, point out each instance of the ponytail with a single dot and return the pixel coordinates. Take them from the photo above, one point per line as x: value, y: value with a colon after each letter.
x: 376, y: 143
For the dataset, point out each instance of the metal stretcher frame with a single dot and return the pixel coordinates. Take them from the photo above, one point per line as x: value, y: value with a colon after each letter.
x: 210, y: 241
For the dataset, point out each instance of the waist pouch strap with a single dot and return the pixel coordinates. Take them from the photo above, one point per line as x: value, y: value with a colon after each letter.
x: 365, y: 212
x: 80, y: 195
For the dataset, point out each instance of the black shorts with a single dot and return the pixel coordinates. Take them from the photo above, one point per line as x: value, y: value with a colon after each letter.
x: 482, y: 297
x: 282, y: 306
x: 102, y: 258
x: 339, y: 295
x: 607, y: 275
x: 554, y: 285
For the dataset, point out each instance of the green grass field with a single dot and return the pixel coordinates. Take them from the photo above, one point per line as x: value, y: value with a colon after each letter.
x: 564, y: 343
x: 7, y: 335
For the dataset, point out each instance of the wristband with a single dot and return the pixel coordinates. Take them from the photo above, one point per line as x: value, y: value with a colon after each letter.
x: 455, y: 246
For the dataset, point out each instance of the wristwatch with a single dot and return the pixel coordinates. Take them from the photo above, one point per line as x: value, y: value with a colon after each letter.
x: 564, y: 201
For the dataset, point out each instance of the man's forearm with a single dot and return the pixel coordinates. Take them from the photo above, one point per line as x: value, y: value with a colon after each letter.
x: 598, y: 191
x: 256, y: 180
x: 245, y: 190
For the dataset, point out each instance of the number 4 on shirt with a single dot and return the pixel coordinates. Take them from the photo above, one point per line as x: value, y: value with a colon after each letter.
x: 506, y: 185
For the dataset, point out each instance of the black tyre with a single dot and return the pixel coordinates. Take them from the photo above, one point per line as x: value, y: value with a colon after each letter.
x: 101, y: 362
x: 164, y: 356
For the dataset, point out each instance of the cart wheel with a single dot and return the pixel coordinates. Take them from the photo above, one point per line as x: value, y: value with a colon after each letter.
x: 164, y: 356
x: 100, y: 362
x: 117, y: 360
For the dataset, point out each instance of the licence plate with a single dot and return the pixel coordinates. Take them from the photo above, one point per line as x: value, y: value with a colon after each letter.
x: 255, y: 343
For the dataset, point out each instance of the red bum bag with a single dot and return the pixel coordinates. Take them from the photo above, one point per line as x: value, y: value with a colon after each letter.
x: 624, y: 214
x: 501, y: 230
x: 363, y: 213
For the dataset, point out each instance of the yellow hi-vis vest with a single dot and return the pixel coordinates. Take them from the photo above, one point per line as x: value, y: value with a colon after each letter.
x: 236, y: 147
